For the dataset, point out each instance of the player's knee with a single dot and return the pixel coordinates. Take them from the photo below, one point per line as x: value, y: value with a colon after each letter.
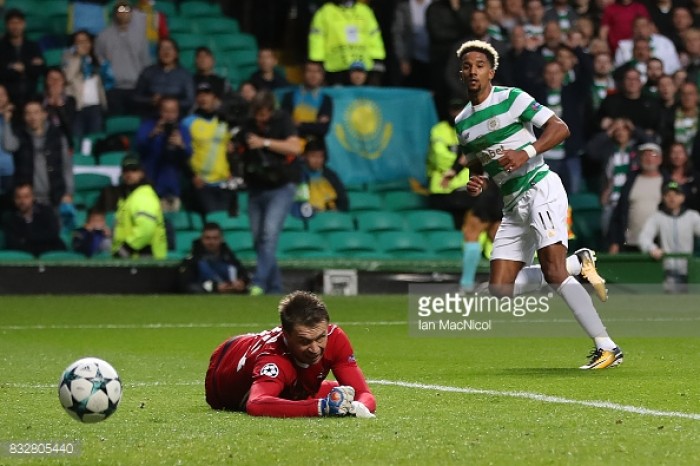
x: 554, y: 274
x: 501, y: 290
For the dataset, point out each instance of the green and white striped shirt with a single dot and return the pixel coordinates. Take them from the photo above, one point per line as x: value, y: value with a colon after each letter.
x: 503, y: 121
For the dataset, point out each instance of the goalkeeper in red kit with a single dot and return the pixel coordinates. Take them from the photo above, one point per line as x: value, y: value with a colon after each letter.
x: 281, y: 372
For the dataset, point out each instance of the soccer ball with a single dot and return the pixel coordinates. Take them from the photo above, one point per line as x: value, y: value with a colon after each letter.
x: 90, y: 390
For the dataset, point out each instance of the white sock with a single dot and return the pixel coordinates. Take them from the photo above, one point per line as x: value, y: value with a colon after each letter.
x: 605, y: 343
x: 585, y: 313
x: 529, y: 280
x: 573, y: 265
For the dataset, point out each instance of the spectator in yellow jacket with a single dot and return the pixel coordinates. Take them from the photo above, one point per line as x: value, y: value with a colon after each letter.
x: 139, y: 229
x: 344, y: 32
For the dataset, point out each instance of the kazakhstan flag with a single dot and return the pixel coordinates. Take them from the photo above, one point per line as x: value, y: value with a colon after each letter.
x: 379, y: 134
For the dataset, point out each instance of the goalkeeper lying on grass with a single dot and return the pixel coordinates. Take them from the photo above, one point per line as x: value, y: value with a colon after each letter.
x: 281, y: 372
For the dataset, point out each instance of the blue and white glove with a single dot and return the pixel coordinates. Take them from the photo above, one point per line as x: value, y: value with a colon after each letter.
x: 359, y: 410
x: 337, y: 403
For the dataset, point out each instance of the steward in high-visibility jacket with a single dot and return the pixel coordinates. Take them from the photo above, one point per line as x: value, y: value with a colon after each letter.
x: 443, y: 152
x: 344, y: 32
x: 139, y: 229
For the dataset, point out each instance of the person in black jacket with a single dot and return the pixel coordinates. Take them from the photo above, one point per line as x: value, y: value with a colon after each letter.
x: 41, y: 156
x: 212, y: 266
x: 639, y: 199
x: 21, y: 61
x: 563, y: 91
x: 31, y: 227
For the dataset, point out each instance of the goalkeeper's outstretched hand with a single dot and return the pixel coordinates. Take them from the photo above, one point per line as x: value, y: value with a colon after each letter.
x: 337, y: 403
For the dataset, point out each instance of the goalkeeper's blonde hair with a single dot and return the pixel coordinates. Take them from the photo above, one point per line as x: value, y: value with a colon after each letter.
x: 480, y: 46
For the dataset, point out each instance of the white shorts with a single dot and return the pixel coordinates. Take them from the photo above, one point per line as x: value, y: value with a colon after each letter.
x: 537, y: 220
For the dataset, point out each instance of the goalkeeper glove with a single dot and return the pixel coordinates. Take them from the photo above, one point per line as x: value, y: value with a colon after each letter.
x: 358, y: 409
x: 337, y: 403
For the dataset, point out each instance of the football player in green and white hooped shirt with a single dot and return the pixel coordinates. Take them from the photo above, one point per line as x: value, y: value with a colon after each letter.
x: 495, y: 129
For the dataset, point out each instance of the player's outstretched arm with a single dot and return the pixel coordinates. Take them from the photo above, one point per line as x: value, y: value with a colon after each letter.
x: 264, y: 400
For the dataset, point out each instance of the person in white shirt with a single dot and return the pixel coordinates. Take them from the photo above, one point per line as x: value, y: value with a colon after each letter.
x: 661, y: 47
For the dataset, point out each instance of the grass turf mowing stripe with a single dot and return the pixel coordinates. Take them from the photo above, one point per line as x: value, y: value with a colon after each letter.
x: 162, y: 325
x: 447, y: 389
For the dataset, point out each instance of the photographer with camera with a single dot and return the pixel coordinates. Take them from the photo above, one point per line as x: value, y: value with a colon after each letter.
x: 270, y: 147
x: 165, y: 147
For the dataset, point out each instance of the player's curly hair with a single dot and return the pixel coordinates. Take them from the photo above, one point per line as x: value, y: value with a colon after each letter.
x: 302, y: 308
x: 480, y: 46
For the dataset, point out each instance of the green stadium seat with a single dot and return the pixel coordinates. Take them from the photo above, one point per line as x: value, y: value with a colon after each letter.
x: 355, y: 188
x: 184, y: 239
x: 177, y: 255
x: 243, y: 58
x: 293, y: 224
x: 362, y: 201
x: 584, y: 201
x: 8, y: 255
x: 302, y: 244
x: 84, y: 160
x: 404, y: 244
x: 190, y: 41
x: 91, y: 181
x: 216, y: 26
x: 226, y: 42
x: 386, y: 186
x: 58, y: 256
x: 376, y: 222
x: 112, y: 158
x: 446, y: 244
x: 241, y: 243
x: 51, y: 9
x: 80, y: 217
x: 429, y: 220
x: 53, y: 57
x: 227, y: 69
x: 57, y: 26
x: 586, y: 213
x: 179, y: 25
x: 404, y: 200
x: 86, y: 199
x: 122, y: 125
x: 243, y: 198
x: 169, y: 9
x: 329, y: 222
x: 195, y: 9
x: 187, y: 59
x: 181, y: 221
x: 227, y: 223
x: 352, y: 243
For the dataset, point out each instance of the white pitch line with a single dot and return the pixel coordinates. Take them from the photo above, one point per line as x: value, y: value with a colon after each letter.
x: 440, y: 388
x: 542, y: 398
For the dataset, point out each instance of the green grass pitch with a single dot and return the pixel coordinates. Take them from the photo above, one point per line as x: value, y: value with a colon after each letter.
x: 474, y: 400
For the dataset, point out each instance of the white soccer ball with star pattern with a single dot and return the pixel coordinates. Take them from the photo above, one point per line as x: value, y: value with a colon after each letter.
x: 90, y: 390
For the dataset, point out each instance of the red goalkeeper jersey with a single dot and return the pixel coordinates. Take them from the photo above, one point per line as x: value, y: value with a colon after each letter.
x: 257, y: 373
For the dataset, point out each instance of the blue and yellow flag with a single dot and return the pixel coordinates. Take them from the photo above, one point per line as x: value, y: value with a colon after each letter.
x: 379, y: 134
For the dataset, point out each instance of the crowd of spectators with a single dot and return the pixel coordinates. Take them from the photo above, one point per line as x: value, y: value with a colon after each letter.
x: 623, y: 74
